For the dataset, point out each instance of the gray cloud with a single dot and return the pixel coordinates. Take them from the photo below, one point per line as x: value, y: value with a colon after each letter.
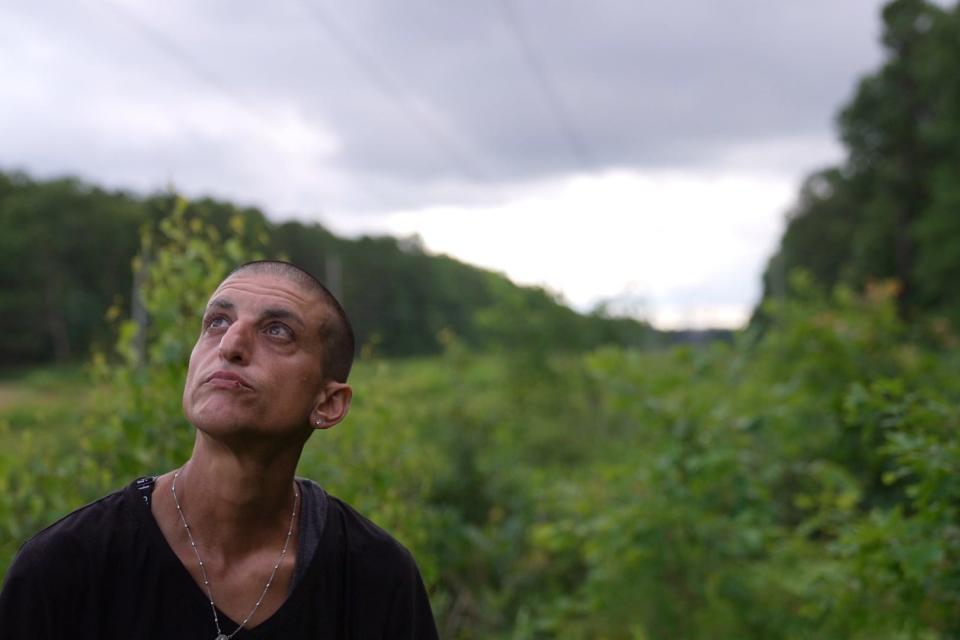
x: 418, y: 96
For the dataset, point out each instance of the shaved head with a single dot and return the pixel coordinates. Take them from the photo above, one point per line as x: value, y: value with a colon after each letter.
x: 336, y: 331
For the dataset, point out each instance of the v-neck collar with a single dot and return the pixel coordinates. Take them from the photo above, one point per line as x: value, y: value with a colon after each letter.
x: 167, y: 556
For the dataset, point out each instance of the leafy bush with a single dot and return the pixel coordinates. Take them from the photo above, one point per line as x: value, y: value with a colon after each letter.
x: 800, y: 483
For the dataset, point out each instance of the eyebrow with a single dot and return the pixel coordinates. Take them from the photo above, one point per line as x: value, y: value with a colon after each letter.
x: 221, y: 303
x: 284, y: 314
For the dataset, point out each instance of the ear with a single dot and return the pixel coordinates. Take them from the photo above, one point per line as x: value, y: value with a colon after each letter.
x: 332, y: 405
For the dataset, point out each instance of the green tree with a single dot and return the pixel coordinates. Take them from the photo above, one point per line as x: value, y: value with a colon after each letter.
x: 64, y: 259
x: 889, y: 211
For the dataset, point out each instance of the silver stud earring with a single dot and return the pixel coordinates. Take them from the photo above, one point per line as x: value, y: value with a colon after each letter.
x: 319, y: 421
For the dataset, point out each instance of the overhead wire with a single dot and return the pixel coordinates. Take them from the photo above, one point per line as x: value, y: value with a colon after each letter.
x: 548, y: 91
x: 171, y: 49
x: 206, y: 77
x: 392, y: 90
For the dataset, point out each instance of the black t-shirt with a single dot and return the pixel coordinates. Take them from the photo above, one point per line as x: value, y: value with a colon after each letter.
x: 105, y: 571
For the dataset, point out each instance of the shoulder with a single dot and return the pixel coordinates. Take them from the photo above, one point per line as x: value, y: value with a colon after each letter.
x: 79, y: 538
x: 62, y: 560
x: 369, y: 549
x: 364, y: 535
x: 385, y: 578
x: 80, y: 530
x: 383, y: 590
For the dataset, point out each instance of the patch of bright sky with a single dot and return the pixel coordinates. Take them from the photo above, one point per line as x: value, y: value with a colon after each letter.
x: 680, y: 249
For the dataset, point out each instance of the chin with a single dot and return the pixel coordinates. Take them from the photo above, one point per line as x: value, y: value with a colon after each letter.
x: 213, y: 419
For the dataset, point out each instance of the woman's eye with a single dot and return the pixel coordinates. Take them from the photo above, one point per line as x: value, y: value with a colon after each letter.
x: 216, y: 322
x: 278, y: 330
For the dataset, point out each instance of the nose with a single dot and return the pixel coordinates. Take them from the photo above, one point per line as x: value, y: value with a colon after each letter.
x: 235, y: 344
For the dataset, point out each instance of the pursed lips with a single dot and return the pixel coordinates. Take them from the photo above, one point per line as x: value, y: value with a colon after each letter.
x: 227, y: 380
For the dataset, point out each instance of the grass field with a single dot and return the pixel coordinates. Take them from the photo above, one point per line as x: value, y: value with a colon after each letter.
x: 46, y: 401
x: 27, y: 395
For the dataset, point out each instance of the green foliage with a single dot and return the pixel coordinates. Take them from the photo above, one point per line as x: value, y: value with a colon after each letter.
x: 802, y: 482
x: 890, y: 210
x: 64, y: 257
x: 800, y: 486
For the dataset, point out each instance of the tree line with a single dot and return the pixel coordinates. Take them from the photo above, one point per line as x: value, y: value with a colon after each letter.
x: 891, y: 209
x: 67, y: 247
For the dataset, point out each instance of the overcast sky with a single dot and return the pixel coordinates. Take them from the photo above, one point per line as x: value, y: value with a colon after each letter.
x: 632, y: 149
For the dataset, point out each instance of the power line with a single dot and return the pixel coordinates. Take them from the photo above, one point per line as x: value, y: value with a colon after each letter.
x: 169, y: 47
x: 547, y: 89
x: 172, y: 50
x: 393, y: 92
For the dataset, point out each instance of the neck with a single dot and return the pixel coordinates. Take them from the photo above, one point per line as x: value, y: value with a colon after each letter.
x: 236, y: 502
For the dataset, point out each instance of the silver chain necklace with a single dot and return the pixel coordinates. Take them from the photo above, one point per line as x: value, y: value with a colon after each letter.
x: 206, y: 581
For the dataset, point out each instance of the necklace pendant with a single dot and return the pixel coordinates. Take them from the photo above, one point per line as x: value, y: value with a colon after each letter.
x: 221, y: 637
